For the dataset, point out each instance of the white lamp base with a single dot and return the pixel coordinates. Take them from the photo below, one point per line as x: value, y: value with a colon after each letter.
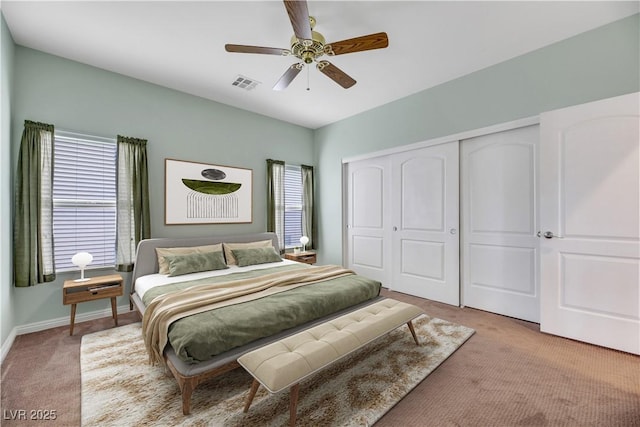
x: 86, y: 279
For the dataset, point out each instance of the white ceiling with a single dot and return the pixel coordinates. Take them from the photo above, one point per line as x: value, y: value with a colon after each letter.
x: 180, y: 44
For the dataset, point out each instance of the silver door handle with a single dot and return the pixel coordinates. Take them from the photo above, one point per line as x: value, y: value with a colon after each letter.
x: 453, y: 231
x: 395, y: 228
x: 548, y: 235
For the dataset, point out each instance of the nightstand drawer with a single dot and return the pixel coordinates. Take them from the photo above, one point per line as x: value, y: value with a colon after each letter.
x: 305, y: 257
x: 74, y: 296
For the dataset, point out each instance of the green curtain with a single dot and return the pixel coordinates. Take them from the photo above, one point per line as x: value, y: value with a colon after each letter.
x: 275, y: 199
x: 33, y: 261
x: 133, y: 212
x: 308, y: 208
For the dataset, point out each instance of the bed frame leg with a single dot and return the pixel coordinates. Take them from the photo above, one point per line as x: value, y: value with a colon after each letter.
x: 187, y: 388
x: 413, y: 332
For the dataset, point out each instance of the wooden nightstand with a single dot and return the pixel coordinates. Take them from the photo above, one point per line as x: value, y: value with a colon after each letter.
x: 95, y: 288
x: 308, y: 257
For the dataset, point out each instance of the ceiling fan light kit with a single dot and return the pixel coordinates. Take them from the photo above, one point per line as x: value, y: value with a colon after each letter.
x: 308, y: 46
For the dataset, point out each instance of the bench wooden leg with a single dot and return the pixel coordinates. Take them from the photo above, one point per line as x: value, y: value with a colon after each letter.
x: 413, y: 332
x: 293, y: 400
x: 293, y: 404
x: 254, y: 389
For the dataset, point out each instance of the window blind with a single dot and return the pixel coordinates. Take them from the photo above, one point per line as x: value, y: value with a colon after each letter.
x: 84, y: 199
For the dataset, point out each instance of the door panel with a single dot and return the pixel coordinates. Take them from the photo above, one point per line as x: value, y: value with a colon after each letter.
x: 487, y: 267
x: 499, y: 243
x: 590, y: 202
x: 422, y: 259
x: 606, y: 175
x: 425, y: 222
x: 368, y: 219
x: 422, y: 198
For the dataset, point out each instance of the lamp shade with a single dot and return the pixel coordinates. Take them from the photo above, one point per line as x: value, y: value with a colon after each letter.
x: 82, y: 259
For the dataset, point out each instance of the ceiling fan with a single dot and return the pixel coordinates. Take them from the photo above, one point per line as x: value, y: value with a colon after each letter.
x: 310, y: 46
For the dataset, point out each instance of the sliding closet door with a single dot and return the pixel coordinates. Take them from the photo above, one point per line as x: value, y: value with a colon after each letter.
x: 425, y: 222
x: 499, y: 223
x: 368, y: 218
x: 590, y: 219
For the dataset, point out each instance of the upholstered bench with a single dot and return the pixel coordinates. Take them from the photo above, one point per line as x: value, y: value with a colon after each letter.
x: 288, y: 361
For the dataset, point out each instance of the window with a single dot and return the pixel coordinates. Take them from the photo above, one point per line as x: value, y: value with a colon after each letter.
x: 84, y: 199
x: 292, y: 205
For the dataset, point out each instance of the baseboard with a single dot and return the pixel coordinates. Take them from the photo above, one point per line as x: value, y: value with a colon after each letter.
x: 64, y: 321
x: 54, y: 323
x: 6, y: 345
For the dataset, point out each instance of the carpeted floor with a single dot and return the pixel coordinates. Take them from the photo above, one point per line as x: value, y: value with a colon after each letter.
x: 506, y: 374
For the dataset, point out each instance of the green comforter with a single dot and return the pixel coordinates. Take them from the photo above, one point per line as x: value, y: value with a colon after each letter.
x: 201, y: 336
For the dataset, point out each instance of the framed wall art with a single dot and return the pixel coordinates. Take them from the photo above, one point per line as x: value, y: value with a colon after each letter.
x: 200, y: 193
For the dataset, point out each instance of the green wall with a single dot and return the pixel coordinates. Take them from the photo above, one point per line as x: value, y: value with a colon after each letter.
x: 80, y: 98
x: 6, y: 277
x: 598, y: 64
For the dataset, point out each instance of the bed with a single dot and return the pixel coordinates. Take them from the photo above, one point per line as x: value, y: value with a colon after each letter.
x: 272, y: 297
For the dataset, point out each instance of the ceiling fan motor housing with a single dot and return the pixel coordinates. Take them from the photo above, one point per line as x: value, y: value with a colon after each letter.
x: 308, y: 50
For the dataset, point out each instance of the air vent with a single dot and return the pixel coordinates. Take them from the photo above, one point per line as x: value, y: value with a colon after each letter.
x: 245, y: 83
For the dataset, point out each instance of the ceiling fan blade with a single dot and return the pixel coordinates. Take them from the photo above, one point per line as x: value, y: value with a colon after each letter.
x: 299, y: 17
x: 256, y: 49
x: 335, y: 74
x: 288, y: 76
x: 358, y: 44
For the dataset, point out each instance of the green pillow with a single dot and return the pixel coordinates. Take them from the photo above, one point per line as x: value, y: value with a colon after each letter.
x: 253, y: 256
x: 195, y: 262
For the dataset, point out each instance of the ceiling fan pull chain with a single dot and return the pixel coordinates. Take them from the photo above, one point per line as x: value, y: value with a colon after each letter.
x: 308, y: 79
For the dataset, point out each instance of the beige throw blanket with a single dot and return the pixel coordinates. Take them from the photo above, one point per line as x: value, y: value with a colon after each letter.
x: 166, y: 309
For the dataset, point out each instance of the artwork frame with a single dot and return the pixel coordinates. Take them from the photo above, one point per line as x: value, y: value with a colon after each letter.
x: 203, y: 193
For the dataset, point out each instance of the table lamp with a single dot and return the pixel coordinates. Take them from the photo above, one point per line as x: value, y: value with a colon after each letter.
x: 82, y: 259
x: 304, y: 240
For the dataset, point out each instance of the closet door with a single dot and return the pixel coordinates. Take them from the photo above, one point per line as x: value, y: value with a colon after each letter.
x: 368, y: 218
x: 425, y: 223
x: 499, y: 223
x: 590, y: 220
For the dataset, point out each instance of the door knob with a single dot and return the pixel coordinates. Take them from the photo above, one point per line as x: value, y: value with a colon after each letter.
x: 395, y: 228
x: 453, y: 231
x: 547, y: 235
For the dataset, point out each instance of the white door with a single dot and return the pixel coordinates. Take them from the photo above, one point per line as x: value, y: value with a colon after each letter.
x: 425, y: 223
x: 589, y: 213
x: 499, y: 223
x: 368, y: 218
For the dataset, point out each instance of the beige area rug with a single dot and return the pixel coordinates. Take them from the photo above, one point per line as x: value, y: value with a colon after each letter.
x: 119, y: 388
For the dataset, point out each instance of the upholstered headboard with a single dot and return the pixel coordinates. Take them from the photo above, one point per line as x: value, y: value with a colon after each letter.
x: 147, y: 259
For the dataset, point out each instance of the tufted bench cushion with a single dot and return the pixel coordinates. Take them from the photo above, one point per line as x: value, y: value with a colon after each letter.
x: 286, y: 362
